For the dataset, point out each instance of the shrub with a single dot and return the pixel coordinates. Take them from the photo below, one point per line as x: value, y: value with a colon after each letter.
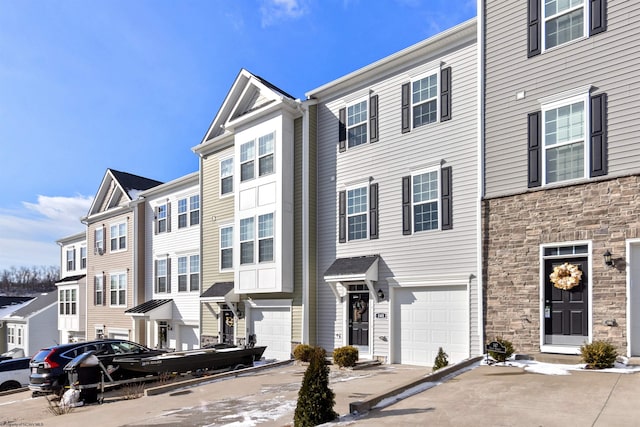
x: 345, y: 357
x: 315, y: 398
x: 502, y: 357
x: 599, y: 355
x: 302, y: 352
x: 441, y: 360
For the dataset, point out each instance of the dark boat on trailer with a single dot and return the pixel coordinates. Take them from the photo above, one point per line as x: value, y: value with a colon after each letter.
x: 217, y: 357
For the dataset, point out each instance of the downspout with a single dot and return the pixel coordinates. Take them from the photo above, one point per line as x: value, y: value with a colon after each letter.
x: 480, y: 179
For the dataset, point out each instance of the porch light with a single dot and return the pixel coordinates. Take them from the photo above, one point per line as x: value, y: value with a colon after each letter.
x: 380, y: 295
x: 607, y: 258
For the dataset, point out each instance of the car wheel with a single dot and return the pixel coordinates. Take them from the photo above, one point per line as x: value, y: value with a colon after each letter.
x: 9, y: 385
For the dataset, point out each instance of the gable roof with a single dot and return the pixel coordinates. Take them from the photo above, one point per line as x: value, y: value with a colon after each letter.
x: 118, y: 189
x: 250, y: 96
x: 37, y: 304
x: 9, y: 301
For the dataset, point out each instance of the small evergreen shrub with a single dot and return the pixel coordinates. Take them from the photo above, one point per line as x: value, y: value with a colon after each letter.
x: 502, y: 357
x: 599, y: 354
x: 441, y: 360
x: 315, y: 398
x: 302, y: 352
x: 345, y: 357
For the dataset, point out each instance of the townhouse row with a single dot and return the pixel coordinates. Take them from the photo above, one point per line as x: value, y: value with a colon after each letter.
x: 423, y: 201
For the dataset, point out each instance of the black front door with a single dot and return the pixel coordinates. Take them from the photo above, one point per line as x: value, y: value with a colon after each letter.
x: 228, y: 324
x: 566, y: 312
x: 359, y: 319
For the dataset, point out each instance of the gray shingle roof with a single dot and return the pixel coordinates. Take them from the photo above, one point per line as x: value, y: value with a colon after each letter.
x: 146, y: 307
x: 71, y: 278
x: 350, y: 266
x: 36, y: 304
x: 8, y: 301
x: 132, y: 182
x: 218, y: 289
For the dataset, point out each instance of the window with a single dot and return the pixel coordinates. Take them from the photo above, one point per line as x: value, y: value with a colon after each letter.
x: 553, y: 23
x: 67, y: 301
x: 247, y: 155
x: 99, y: 290
x: 99, y: 237
x: 567, y: 139
x: 19, y: 340
x: 189, y: 273
x: 427, y: 201
x: 564, y: 20
x: 424, y: 100
x: 357, y: 124
x: 194, y: 210
x: 118, y: 289
x: 119, y: 237
x: 161, y: 218
x: 265, y: 238
x: 265, y: 154
x: 161, y: 276
x: 357, y: 207
x: 182, y: 213
x: 83, y: 257
x: 226, y: 176
x: 246, y: 240
x: 11, y: 335
x: 71, y: 259
x: 226, y: 248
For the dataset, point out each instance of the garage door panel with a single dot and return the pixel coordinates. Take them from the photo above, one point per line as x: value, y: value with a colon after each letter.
x: 430, y: 318
x: 272, y: 326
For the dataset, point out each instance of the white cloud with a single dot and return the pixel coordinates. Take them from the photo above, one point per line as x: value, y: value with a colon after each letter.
x: 277, y: 10
x: 28, y: 235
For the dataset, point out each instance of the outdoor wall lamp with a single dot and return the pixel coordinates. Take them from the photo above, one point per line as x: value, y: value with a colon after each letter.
x: 607, y: 258
x: 380, y: 295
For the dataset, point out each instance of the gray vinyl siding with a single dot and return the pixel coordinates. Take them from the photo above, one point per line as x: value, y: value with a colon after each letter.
x: 606, y: 61
x: 396, y: 155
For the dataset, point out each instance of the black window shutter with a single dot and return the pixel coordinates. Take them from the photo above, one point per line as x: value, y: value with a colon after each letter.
x: 104, y: 289
x: 342, y: 129
x: 155, y: 220
x: 373, y: 118
x: 447, y: 200
x: 406, y: 205
x: 155, y: 275
x: 598, y: 135
x: 598, y: 16
x: 95, y: 290
x: 342, y: 216
x: 406, y: 107
x: 169, y: 217
x: 535, y: 150
x: 534, y: 29
x: 169, y: 275
x: 373, y: 211
x: 445, y: 94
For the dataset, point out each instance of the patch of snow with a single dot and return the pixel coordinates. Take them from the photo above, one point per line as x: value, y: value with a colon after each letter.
x: 562, y: 369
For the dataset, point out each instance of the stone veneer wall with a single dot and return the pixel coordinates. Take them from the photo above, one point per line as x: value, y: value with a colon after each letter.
x: 605, y: 212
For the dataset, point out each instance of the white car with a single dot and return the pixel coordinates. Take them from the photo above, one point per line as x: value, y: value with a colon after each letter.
x: 14, y: 373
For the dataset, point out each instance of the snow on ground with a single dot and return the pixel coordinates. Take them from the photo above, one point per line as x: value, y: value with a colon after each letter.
x: 560, y: 369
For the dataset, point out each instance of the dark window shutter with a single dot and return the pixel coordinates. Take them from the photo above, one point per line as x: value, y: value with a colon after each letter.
x: 104, y: 289
x: 534, y: 28
x: 168, y: 217
x: 342, y: 129
x: 598, y: 16
x: 447, y: 201
x: 74, y: 259
x: 95, y: 290
x: 342, y: 216
x: 598, y: 135
x: 406, y: 205
x: 155, y: 220
x: 445, y: 94
x: 373, y: 211
x: 535, y: 150
x: 373, y: 118
x: 169, y: 275
x: 155, y: 276
x: 406, y: 107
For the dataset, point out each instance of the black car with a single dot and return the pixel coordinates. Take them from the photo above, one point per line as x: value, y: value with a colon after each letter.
x: 47, y: 366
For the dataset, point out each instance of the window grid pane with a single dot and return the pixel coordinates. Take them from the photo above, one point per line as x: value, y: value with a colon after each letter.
x: 357, y: 208
x: 357, y: 124
x: 425, y: 201
x: 564, y: 28
x: 226, y: 176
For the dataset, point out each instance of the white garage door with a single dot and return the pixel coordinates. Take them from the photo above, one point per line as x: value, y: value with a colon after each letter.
x: 189, y: 337
x: 427, y: 318
x: 272, y: 327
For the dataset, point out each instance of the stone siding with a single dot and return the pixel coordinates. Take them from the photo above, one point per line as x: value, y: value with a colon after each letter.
x: 605, y: 213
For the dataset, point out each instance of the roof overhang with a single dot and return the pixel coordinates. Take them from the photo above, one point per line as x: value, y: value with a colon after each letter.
x: 156, y: 309
x: 345, y: 271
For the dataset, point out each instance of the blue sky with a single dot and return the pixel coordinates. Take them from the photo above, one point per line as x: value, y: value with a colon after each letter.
x: 133, y: 85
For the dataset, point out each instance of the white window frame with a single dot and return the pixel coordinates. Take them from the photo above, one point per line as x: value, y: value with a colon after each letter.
x: 183, y: 210
x: 71, y: 259
x: 264, y: 155
x: 99, y: 282
x: 119, y: 288
x: 247, y: 235
x: 250, y: 158
x: 68, y: 300
x: 188, y: 269
x: 585, y: 23
x: 100, y: 236
x: 436, y: 98
x: 11, y: 335
x: 120, y: 237
x: 264, y: 237
x: 163, y: 214
x: 83, y: 257
x: 226, y: 173
x: 349, y: 126
x: 162, y: 286
x: 584, y: 98
x: 194, y: 208
x: 226, y: 247
x: 437, y: 199
x: 194, y: 273
x: 19, y: 335
x: 362, y: 186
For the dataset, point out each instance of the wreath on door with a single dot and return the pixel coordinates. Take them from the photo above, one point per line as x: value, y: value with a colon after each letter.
x: 229, y: 321
x: 566, y: 276
x: 359, y: 307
